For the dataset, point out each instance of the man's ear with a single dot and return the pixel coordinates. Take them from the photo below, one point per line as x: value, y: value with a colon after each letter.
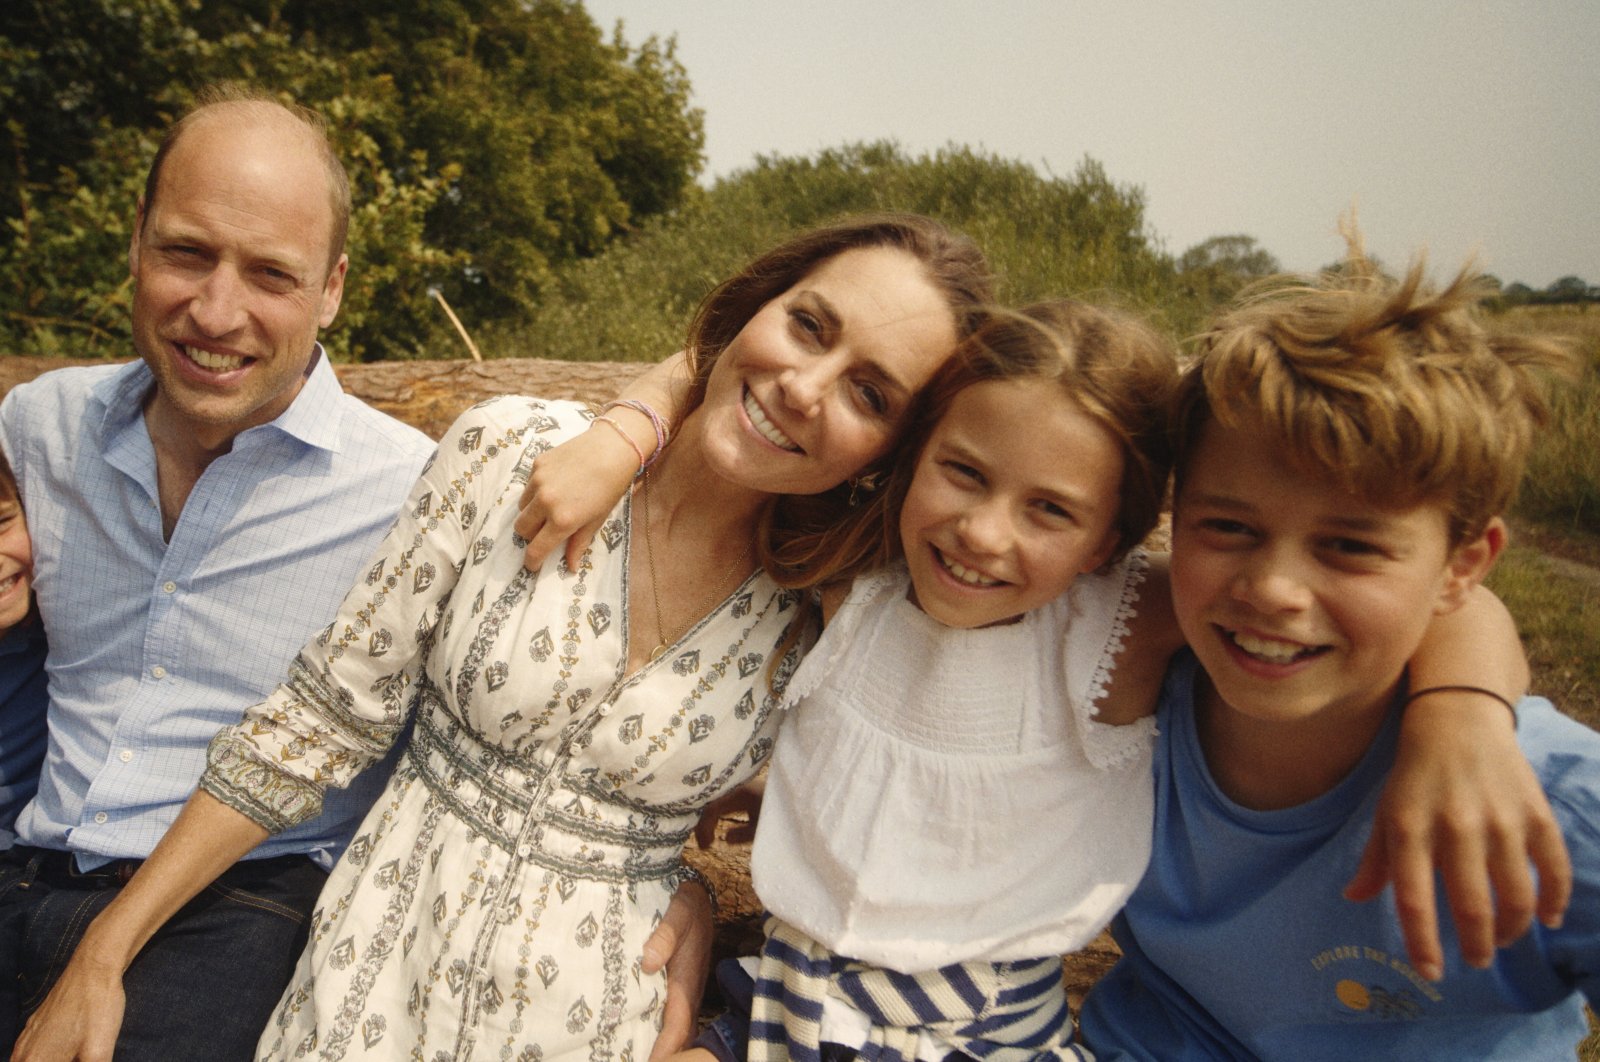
x: 133, y: 241
x: 1469, y: 563
x: 333, y: 292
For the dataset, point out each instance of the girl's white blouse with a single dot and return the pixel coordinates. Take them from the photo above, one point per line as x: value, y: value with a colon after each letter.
x: 941, y: 795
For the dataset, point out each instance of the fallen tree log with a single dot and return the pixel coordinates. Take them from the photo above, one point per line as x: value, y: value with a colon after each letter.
x: 429, y: 394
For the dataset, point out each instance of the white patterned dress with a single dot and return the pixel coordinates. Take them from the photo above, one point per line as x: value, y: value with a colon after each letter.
x: 495, y: 902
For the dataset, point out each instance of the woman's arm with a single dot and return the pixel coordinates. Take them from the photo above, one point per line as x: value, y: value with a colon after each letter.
x: 362, y: 663
x: 81, y: 1016
x: 1462, y: 799
x: 574, y: 486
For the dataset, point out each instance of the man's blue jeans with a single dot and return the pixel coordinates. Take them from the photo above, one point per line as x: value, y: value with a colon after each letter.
x: 205, y: 985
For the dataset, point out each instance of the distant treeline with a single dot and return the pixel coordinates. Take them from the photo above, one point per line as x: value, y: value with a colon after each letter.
x: 1568, y: 291
x: 535, y: 172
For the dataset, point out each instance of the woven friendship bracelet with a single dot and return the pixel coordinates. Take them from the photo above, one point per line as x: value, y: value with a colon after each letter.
x: 643, y: 464
x: 662, y: 428
x: 1464, y: 689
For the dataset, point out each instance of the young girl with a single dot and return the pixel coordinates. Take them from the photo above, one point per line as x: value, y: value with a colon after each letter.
x: 931, y: 808
x: 22, y: 685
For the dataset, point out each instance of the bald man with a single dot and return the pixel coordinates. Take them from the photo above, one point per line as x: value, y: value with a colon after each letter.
x: 196, y: 516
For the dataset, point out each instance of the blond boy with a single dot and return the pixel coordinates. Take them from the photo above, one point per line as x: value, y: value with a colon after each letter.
x: 1345, y: 451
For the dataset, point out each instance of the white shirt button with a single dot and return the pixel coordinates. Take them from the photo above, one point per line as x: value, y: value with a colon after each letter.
x: 158, y: 672
x: 169, y: 586
x: 125, y: 755
x: 101, y: 817
x: 525, y: 851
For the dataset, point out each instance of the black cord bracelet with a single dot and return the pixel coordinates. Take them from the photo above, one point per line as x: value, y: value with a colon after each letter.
x: 1464, y: 689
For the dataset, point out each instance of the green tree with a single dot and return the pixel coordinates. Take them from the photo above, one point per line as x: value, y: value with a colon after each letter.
x: 1214, y: 270
x: 489, y: 142
x: 1567, y: 289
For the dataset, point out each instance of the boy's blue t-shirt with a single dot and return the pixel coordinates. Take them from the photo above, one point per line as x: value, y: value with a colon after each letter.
x: 1237, y: 943
x: 23, y: 701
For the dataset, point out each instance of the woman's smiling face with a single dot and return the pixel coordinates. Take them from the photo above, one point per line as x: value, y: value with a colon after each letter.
x: 818, y: 382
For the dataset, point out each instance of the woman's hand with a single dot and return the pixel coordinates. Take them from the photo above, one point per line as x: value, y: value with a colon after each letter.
x: 681, y: 943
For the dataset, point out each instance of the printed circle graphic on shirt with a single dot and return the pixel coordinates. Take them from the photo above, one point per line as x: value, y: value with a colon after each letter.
x: 1353, y: 994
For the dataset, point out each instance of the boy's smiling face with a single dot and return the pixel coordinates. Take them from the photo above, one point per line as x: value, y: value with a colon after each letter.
x: 1302, y: 601
x: 16, y: 563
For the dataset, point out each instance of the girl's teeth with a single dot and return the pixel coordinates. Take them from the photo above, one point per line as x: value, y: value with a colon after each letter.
x: 1269, y: 649
x: 10, y: 581
x: 967, y: 575
x: 215, y: 362
x: 769, y: 431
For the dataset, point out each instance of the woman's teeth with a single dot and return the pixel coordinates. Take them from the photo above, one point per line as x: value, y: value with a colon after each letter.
x: 9, y: 582
x: 215, y: 362
x: 769, y: 431
x: 1271, y: 650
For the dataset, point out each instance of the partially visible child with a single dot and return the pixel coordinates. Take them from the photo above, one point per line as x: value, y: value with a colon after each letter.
x: 1344, y: 453
x: 22, y: 682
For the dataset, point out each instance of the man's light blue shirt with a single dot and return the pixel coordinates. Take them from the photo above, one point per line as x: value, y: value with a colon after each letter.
x: 155, y: 645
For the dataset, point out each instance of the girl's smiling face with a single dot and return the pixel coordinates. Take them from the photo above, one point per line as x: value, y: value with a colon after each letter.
x: 16, y: 562
x: 1014, y: 496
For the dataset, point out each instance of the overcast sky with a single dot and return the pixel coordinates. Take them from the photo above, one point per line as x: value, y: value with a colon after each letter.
x: 1460, y: 125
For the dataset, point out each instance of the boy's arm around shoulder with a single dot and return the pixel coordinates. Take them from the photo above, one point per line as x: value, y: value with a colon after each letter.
x: 1153, y: 637
x: 1462, y: 798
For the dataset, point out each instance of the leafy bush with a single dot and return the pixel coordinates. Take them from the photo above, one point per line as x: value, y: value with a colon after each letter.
x: 1045, y: 235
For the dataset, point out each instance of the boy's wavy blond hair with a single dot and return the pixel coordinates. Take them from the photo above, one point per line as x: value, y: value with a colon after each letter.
x: 1394, y: 390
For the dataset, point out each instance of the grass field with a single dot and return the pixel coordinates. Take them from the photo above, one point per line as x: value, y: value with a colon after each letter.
x: 1552, y: 584
x: 1550, y: 578
x: 1557, y: 607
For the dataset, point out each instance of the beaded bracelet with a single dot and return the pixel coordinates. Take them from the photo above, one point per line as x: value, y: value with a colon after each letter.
x: 1464, y: 689
x: 643, y: 464
x: 662, y: 428
x: 688, y: 872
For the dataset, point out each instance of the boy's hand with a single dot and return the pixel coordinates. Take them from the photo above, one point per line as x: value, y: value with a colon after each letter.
x: 1463, y: 801
x: 681, y: 943
x: 571, y: 490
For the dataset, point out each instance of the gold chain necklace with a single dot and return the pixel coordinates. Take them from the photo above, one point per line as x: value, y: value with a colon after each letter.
x: 720, y: 590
